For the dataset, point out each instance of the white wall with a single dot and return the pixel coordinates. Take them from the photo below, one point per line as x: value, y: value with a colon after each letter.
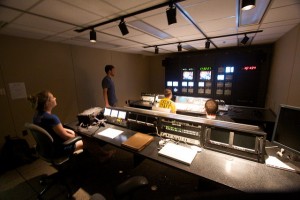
x: 284, y: 78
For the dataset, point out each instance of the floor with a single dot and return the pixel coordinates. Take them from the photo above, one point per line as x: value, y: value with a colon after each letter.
x: 87, y: 176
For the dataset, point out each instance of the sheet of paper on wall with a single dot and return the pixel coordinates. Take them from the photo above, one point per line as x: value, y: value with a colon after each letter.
x: 110, y: 133
x: 17, y: 90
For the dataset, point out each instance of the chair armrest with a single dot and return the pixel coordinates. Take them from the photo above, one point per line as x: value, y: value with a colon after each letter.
x: 72, y: 140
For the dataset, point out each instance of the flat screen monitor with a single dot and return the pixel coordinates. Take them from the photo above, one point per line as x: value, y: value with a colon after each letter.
x: 169, y: 83
x: 286, y: 132
x: 244, y: 140
x: 107, y: 111
x: 191, y: 84
x: 201, y: 84
x: 205, y: 75
x: 122, y: 115
x: 187, y: 75
x: 114, y: 113
x: 175, y: 83
x: 184, y: 84
x: 219, y: 135
x: 220, y: 77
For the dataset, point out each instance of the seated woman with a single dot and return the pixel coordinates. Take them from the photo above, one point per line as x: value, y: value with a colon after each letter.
x: 43, y: 103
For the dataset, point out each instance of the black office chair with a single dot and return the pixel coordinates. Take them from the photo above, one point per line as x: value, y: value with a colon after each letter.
x: 45, y: 150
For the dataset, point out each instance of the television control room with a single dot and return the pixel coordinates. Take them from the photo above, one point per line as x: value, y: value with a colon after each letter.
x: 161, y: 99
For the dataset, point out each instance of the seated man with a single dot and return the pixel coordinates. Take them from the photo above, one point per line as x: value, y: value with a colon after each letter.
x: 167, y: 102
x: 211, y: 108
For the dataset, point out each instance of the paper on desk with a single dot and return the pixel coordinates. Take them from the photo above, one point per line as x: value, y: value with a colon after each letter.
x: 275, y: 162
x: 110, y: 132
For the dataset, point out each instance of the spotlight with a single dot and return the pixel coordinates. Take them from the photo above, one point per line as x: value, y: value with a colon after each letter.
x: 207, y: 44
x: 248, y: 4
x: 123, y: 27
x: 179, y: 47
x: 245, y: 40
x: 156, y: 50
x: 93, y: 36
x: 171, y: 14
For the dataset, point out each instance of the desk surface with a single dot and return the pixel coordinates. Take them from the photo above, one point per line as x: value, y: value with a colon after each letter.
x: 234, y: 172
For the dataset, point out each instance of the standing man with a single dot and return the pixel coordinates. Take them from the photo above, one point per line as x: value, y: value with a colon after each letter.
x: 108, y: 86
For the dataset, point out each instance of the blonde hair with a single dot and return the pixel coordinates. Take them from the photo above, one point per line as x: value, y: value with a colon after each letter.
x: 39, y: 100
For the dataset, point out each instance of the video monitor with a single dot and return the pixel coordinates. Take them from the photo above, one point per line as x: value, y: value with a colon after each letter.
x: 114, y: 113
x: 122, y: 115
x: 191, y: 84
x: 188, y: 75
x: 219, y: 135
x: 175, y: 83
x: 229, y: 69
x: 169, y: 83
x: 184, y: 84
x: 244, y: 140
x: 220, y: 77
x: 205, y: 75
x: 107, y: 112
x: 287, y: 128
x: 201, y: 84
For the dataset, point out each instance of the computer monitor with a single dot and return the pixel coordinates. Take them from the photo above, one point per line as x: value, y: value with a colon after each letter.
x: 286, y: 132
x: 187, y: 75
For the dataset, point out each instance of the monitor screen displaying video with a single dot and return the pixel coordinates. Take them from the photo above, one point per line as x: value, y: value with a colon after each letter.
x: 205, y: 75
x: 107, y: 111
x: 114, y: 113
x: 122, y: 115
x: 187, y: 75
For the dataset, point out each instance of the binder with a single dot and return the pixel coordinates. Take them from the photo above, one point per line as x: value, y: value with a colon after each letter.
x: 138, y: 141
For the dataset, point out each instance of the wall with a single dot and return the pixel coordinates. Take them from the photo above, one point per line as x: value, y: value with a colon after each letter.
x: 284, y: 77
x: 72, y: 73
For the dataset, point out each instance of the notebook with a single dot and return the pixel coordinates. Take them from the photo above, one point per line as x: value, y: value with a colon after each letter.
x: 138, y: 141
x: 179, y: 153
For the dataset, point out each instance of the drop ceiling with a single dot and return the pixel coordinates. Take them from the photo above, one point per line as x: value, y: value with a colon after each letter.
x: 58, y: 20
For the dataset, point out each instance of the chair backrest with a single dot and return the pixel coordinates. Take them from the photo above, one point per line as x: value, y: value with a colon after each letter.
x: 44, y: 141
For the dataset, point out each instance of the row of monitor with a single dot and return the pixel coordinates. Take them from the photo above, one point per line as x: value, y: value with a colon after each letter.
x: 205, y: 73
x: 286, y: 132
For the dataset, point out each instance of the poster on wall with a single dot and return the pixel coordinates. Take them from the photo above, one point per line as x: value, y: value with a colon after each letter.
x: 17, y: 90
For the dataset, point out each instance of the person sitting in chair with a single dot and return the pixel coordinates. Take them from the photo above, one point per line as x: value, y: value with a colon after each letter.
x: 167, y: 102
x: 43, y: 103
x: 211, y: 108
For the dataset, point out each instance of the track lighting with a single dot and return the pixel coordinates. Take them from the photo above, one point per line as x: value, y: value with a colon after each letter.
x: 179, y: 47
x: 248, y: 4
x: 156, y: 50
x: 245, y: 39
x: 207, y: 44
x: 93, y: 36
x: 171, y: 14
x: 123, y: 27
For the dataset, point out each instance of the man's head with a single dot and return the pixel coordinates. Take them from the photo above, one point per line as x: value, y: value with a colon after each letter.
x: 211, y: 107
x: 168, y: 93
x: 110, y: 70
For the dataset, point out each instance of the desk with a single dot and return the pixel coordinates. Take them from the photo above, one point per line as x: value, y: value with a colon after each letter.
x: 238, y: 173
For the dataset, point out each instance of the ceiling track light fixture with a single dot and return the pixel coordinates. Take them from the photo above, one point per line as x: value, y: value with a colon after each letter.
x: 245, y: 40
x: 123, y: 27
x: 207, y: 44
x: 179, y: 47
x: 156, y: 50
x: 207, y: 38
x: 93, y: 36
x: 171, y: 14
x: 247, y: 4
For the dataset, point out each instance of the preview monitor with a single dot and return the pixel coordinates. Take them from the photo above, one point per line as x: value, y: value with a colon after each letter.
x: 122, y: 115
x: 191, y: 84
x: 107, y: 112
x: 201, y: 84
x: 169, y: 83
x: 188, y: 75
x: 220, y: 77
x: 184, y: 84
x: 205, y: 75
x: 286, y: 132
x: 175, y: 83
x: 114, y: 113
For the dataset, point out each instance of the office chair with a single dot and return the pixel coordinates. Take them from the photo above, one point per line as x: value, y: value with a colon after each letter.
x: 45, y: 150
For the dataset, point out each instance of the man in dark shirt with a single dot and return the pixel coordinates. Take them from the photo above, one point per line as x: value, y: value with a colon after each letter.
x: 108, y: 86
x: 211, y: 108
